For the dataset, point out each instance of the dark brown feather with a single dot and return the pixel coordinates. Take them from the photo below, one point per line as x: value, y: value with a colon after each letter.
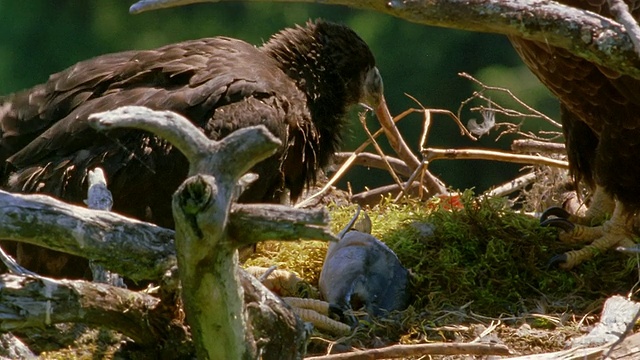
x: 299, y: 85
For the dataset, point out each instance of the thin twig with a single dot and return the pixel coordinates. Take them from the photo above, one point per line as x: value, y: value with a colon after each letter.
x: 382, y: 155
x: 515, y: 98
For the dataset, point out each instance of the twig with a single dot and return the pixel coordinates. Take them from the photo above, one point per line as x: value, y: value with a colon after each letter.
x: 399, y: 351
x: 375, y: 161
x: 373, y: 196
x: 591, y: 36
x: 534, y: 146
x: 435, y: 154
x: 497, y: 107
x: 434, y: 185
x: 513, y: 185
x: 382, y: 155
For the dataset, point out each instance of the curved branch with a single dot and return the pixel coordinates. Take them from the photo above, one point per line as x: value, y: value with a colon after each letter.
x: 172, y: 127
x: 588, y: 35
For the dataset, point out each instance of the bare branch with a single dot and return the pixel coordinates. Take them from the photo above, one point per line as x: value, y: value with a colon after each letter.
x: 375, y: 161
x: 39, y: 302
x: 588, y: 35
x: 514, y: 185
x: 512, y: 113
x: 373, y: 196
x: 401, y: 351
x: 534, y: 146
x: 435, y: 154
x: 133, y: 248
x: 166, y: 124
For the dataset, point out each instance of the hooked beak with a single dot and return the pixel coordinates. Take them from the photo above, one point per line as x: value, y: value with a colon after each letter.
x: 373, y: 98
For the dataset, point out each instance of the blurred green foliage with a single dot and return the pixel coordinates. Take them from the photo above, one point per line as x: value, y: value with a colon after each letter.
x: 40, y: 37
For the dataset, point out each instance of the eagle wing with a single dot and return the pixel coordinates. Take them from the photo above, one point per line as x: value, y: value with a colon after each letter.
x: 220, y: 84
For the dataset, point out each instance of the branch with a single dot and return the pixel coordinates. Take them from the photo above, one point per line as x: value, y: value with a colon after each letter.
x: 207, y: 257
x: 135, y: 249
x: 253, y: 144
x: 588, y: 35
x: 172, y: 127
x: 129, y: 247
x: 398, y: 351
x: 620, y: 11
x: 373, y: 160
x: 534, y: 146
x: 252, y: 223
x: 513, y: 185
x: 435, y: 154
x: 39, y: 302
x: 374, y: 196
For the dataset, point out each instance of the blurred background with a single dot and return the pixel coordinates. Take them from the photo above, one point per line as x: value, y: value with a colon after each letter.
x: 41, y: 37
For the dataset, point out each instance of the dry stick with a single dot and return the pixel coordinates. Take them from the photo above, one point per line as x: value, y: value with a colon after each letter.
x: 350, y: 161
x: 400, y: 351
x: 427, y: 120
x: 534, y: 146
x: 407, y: 185
x: 512, y: 128
x: 384, y: 157
x: 513, y: 185
x: 515, y: 98
x: 593, y: 37
x: 374, y: 160
x: 426, y: 126
x: 373, y: 196
x: 435, y: 154
x: 497, y: 108
x: 214, y: 309
x: 433, y: 184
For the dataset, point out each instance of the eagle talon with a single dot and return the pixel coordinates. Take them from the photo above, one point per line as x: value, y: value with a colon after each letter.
x: 561, y: 223
x: 554, y: 211
x: 557, y: 261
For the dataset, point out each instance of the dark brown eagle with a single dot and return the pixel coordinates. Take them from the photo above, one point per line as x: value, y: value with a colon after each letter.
x: 600, y: 112
x: 299, y: 84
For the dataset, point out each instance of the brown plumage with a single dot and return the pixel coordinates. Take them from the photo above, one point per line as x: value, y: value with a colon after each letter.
x: 299, y: 84
x: 601, y: 124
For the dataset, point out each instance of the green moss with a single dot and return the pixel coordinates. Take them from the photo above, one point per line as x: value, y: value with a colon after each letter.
x: 489, y: 256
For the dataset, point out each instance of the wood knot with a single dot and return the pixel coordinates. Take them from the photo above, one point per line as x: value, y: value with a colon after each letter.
x: 196, y: 194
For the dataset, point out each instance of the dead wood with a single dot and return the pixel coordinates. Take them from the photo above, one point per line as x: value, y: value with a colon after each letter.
x: 129, y: 247
x: 535, y: 146
x: 401, y: 351
x: 593, y: 37
x: 207, y: 257
x: 136, y: 249
x: 435, y: 154
x: 37, y: 302
x: 373, y: 160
